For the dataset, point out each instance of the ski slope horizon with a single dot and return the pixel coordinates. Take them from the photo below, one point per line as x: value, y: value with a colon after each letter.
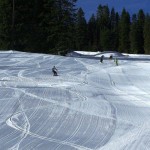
x: 89, y: 106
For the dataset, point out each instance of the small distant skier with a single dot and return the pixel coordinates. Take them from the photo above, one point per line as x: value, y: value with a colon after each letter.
x: 111, y: 57
x: 54, y: 70
x: 102, y: 58
x: 116, y: 61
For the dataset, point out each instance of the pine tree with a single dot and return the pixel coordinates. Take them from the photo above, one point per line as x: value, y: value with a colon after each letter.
x: 92, y: 33
x: 124, y: 30
x: 98, y: 25
x: 105, y: 34
x: 114, y: 19
x: 19, y: 20
x: 147, y: 34
x: 38, y: 26
x: 141, y: 19
x: 64, y: 19
x: 30, y: 35
x: 6, y: 24
x: 105, y: 39
x: 134, y: 43
x: 103, y: 25
x: 81, y: 31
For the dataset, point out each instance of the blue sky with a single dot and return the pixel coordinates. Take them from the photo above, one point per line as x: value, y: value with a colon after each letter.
x: 132, y: 6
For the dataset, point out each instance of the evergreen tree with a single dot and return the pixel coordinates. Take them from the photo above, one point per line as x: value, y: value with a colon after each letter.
x: 30, y: 35
x: 105, y: 34
x: 105, y: 39
x: 114, y: 19
x: 98, y: 25
x: 6, y: 24
x: 103, y: 20
x: 124, y: 30
x: 62, y: 31
x: 147, y: 34
x: 37, y: 25
x: 136, y: 33
x: 141, y: 19
x: 134, y: 42
x: 21, y: 24
x: 92, y: 33
x: 55, y: 26
x: 81, y: 31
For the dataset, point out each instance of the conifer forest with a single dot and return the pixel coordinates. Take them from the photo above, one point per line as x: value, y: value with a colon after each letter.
x: 58, y: 26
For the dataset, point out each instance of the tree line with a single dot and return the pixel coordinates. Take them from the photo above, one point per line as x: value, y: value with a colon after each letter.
x: 58, y: 26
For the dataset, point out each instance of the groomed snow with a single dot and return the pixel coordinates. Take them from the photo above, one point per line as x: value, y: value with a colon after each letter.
x: 89, y: 106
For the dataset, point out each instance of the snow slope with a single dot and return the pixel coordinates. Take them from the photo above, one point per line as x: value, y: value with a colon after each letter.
x: 89, y: 106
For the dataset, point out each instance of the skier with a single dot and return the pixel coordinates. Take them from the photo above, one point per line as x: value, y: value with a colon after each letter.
x: 111, y: 56
x: 116, y: 61
x: 102, y: 58
x: 54, y: 70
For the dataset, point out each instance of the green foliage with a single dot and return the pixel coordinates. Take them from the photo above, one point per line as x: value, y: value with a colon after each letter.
x: 5, y: 24
x: 134, y: 35
x: 140, y: 28
x: 124, y: 30
x: 114, y: 37
x: 81, y: 31
x: 92, y: 39
x: 56, y: 27
x: 37, y: 25
x: 147, y: 35
x: 105, y: 39
x: 107, y: 28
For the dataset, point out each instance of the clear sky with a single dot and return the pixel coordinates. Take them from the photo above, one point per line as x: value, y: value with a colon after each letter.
x: 132, y: 6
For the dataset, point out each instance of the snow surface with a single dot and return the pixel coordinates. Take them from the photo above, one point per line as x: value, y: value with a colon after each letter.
x: 89, y: 106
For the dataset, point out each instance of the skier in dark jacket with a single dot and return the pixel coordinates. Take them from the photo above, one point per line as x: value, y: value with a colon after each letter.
x: 111, y: 57
x: 54, y: 70
x: 102, y: 58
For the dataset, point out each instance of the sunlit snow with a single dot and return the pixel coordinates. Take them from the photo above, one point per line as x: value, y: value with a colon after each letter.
x: 89, y: 106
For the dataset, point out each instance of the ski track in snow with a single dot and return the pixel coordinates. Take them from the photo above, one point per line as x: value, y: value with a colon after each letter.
x: 89, y: 106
